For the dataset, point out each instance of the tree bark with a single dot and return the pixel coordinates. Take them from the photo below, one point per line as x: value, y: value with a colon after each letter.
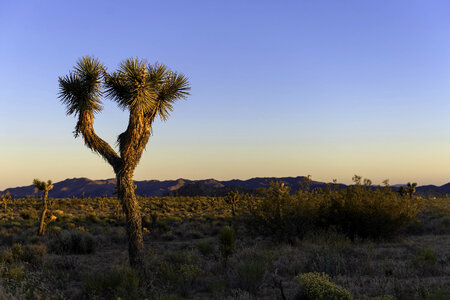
x: 125, y: 189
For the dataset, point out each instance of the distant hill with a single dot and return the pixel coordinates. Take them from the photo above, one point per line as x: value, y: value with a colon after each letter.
x: 79, y: 187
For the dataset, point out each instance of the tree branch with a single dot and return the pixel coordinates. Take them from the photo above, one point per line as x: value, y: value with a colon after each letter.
x: 85, y: 126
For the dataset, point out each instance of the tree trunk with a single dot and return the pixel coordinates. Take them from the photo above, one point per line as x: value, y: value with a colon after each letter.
x: 44, y: 212
x: 125, y: 189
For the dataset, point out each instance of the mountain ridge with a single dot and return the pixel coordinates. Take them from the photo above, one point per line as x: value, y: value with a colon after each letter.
x: 85, y: 187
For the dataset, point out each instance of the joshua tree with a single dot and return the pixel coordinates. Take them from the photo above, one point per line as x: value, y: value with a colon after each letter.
x: 232, y: 198
x: 411, y: 188
x: 147, y: 92
x: 6, y: 196
x: 402, y: 191
x: 44, y: 187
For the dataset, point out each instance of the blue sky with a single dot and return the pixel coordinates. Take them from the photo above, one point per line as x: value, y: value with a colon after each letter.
x: 279, y: 88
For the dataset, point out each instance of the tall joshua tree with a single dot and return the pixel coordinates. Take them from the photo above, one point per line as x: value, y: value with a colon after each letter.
x: 44, y: 187
x: 147, y: 92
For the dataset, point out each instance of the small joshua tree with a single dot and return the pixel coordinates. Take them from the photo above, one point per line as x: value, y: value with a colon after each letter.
x: 44, y: 187
x: 6, y: 196
x: 402, y: 191
x: 232, y: 198
x: 411, y: 189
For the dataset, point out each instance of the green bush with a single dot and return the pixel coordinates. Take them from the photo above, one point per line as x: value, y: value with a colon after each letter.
x: 427, y: 255
x: 282, y: 215
x: 358, y: 210
x: 317, y: 286
x: 252, y: 270
x: 7, y: 256
x: 120, y: 282
x: 426, y: 262
x: 13, y: 254
x: 34, y: 253
x: 227, y: 240
x: 367, y: 211
x: 178, y: 274
x: 72, y: 241
x: 15, y: 272
x: 205, y: 248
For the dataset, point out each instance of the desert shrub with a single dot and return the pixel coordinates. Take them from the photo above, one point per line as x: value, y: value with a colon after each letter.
x: 367, y: 211
x: 330, y: 254
x: 194, y: 234
x: 358, y: 210
x: 72, y: 241
x: 12, y: 254
x: 28, y: 214
x: 120, y: 282
x: 427, y: 255
x: 91, y: 218
x: 317, y: 286
x: 426, y: 262
x: 282, y: 215
x: 34, y: 253
x: 205, y: 248
x: 178, y: 271
x: 252, y: 268
x: 227, y: 240
x: 439, y: 294
x: 15, y: 272
x: 7, y: 256
x: 17, y: 251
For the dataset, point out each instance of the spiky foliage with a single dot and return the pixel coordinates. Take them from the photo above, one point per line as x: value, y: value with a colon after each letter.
x: 131, y: 86
x: 151, y: 89
x: 169, y: 86
x: 42, y: 185
x: 81, y: 89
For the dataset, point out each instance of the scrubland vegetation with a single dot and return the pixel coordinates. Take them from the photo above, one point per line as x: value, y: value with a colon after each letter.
x: 360, y: 242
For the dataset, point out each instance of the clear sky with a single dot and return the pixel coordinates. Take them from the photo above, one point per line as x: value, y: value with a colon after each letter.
x: 279, y: 88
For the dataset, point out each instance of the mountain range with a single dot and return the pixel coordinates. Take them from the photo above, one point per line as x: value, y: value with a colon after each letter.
x: 84, y: 187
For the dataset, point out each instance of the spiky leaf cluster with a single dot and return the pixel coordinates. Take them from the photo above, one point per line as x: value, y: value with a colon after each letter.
x: 131, y: 86
x: 136, y: 86
x: 81, y: 90
x: 150, y: 89
x: 42, y: 185
x: 169, y: 87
